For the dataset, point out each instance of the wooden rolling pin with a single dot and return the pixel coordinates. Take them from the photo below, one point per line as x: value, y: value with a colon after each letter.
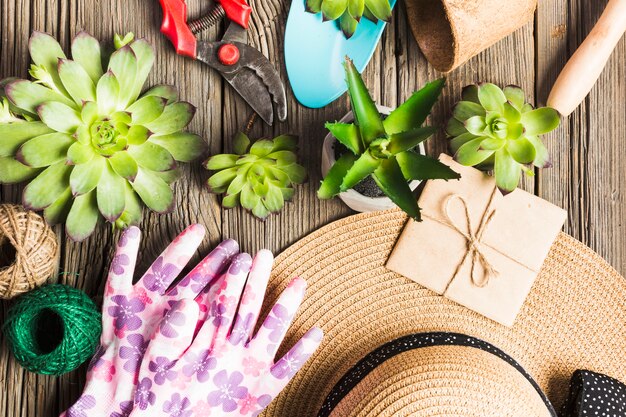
x: 584, y: 67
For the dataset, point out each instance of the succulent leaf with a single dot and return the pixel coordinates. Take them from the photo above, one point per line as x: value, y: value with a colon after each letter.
x: 348, y: 135
x: 331, y: 185
x: 168, y: 92
x: 257, y: 180
x: 507, y: 171
x: 356, y: 8
x: 500, y: 132
x: 153, y: 190
x: 93, y: 149
x: 515, y: 96
x: 390, y: 179
x: 82, y: 217
x: 79, y: 153
x: 175, y: 116
x: 44, y: 150
x: 147, y: 109
x: 27, y: 95
x: 241, y: 143
x: 471, y: 153
x: 333, y: 9
x: 540, y: 121
x: 152, y: 157
x: 45, y: 52
x: 313, y: 6
x: 110, y: 194
x: 369, y: 15
x: 421, y: 167
x: 107, y: 93
x: 348, y: 24
x: 85, y: 177
x: 404, y: 141
x: 379, y: 8
x: 47, y: 186
x: 365, y: 112
x: 123, y: 64
x: 12, y: 171
x: 59, y: 117
x: 144, y: 52
x: 521, y: 150
x: 491, y: 97
x: 184, y: 147
x: 412, y: 113
x: 124, y: 165
x: 13, y: 135
x: 363, y: 167
x: 76, y: 81
x: 86, y: 52
x: 56, y: 212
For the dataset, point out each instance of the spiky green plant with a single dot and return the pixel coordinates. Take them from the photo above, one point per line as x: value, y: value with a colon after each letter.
x: 383, y: 149
x: 497, y: 130
x: 93, y: 147
x: 349, y: 12
x: 258, y: 176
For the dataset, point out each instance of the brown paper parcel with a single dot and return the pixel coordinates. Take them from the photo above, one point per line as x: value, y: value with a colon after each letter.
x: 475, y: 246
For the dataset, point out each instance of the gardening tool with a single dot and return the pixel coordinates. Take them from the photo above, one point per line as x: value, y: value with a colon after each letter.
x: 584, y: 67
x: 315, y: 51
x: 246, y: 69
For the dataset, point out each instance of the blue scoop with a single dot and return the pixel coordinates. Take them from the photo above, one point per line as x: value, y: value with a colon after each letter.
x: 315, y: 51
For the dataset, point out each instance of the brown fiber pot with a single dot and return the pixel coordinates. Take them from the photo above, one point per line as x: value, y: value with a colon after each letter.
x: 450, y: 32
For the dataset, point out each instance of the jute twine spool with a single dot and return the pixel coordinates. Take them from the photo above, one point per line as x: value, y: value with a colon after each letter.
x: 28, y: 250
x: 53, y: 329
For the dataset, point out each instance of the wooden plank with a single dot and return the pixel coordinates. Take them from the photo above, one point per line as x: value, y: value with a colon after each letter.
x: 587, y: 149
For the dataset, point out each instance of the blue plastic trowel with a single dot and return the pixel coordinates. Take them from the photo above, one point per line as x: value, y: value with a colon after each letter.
x: 315, y: 51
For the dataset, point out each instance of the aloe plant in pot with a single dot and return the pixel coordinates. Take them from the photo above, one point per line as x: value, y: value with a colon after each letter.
x: 382, y: 149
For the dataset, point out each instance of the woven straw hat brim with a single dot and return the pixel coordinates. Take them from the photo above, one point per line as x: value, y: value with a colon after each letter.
x: 443, y: 381
x: 573, y: 318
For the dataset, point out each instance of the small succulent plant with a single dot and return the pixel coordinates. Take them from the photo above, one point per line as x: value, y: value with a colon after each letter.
x: 259, y: 176
x: 90, y: 144
x: 497, y: 130
x: 349, y: 12
x: 383, y: 149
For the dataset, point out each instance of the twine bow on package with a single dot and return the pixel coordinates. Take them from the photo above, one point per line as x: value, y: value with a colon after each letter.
x: 475, y: 246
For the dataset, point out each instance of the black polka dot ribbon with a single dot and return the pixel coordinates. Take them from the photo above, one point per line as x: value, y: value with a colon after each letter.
x: 595, y: 395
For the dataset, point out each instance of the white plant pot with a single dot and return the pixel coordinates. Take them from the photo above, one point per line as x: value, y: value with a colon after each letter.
x: 353, y: 199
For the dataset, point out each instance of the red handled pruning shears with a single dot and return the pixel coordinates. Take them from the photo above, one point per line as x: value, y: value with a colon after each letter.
x: 246, y: 69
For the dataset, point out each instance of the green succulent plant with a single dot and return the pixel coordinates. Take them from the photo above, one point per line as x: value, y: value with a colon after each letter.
x: 259, y: 176
x: 349, y: 12
x: 495, y: 129
x: 384, y: 149
x: 92, y: 146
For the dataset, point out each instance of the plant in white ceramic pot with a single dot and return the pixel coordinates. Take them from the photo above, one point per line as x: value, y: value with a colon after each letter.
x: 381, y: 149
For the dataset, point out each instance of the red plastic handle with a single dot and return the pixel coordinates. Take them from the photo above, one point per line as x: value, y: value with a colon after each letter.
x: 237, y: 10
x: 175, y: 27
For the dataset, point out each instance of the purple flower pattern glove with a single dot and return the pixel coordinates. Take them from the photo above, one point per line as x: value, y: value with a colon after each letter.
x: 131, y: 313
x: 220, y: 369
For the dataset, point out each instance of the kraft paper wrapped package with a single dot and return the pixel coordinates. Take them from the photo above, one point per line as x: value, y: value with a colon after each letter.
x: 475, y: 246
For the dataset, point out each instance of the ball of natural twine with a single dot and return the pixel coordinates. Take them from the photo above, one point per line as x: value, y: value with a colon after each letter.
x: 28, y: 250
x: 53, y: 329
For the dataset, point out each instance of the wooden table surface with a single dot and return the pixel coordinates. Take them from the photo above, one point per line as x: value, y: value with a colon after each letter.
x: 588, y: 150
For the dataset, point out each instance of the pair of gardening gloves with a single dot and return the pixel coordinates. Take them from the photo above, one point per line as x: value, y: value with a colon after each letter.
x: 189, y: 350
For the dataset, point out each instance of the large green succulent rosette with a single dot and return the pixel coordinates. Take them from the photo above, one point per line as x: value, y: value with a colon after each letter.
x: 92, y: 146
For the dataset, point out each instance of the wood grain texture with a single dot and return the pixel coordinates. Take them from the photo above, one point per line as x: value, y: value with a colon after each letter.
x: 588, y: 153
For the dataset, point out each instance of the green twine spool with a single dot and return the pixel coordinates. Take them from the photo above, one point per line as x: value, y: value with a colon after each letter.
x: 53, y: 329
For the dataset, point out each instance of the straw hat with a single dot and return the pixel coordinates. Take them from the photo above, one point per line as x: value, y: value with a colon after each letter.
x: 430, y: 374
x: 574, y: 317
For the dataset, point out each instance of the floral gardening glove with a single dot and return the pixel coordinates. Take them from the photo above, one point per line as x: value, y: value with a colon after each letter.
x: 219, y: 370
x: 130, y: 314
